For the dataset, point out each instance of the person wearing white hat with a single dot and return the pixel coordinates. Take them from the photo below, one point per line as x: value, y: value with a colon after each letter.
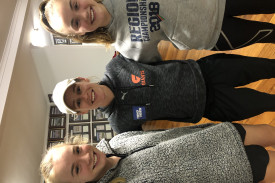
x: 132, y: 93
x: 93, y: 95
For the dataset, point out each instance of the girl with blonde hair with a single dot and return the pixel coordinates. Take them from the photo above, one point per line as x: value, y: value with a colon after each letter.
x: 222, y: 152
x: 137, y: 26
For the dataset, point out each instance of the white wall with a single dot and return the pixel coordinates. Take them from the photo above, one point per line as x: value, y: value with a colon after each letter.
x: 5, y: 21
x: 24, y: 119
x: 56, y: 63
x: 36, y: 71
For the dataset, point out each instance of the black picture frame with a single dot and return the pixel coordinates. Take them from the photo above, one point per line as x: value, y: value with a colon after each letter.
x: 50, y: 98
x: 79, y: 118
x: 97, y: 115
x: 64, y: 41
x: 52, y: 143
x: 57, y: 122
x: 60, y: 40
x: 72, y: 42
x: 83, y: 130
x: 56, y: 134
x: 102, y: 130
x: 54, y: 111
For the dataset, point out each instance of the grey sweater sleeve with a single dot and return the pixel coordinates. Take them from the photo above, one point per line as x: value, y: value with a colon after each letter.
x: 148, y: 53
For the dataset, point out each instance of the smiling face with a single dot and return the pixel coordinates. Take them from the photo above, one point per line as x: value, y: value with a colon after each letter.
x: 84, y: 96
x: 83, y: 163
x: 77, y: 16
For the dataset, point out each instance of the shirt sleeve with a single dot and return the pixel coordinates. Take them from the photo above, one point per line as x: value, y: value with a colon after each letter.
x: 145, y: 54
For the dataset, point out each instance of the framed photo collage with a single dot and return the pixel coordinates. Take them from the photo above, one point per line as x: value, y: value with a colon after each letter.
x: 92, y: 126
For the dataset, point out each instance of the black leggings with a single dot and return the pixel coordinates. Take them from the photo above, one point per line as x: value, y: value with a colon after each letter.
x: 223, y: 73
x: 237, y: 33
x: 257, y: 156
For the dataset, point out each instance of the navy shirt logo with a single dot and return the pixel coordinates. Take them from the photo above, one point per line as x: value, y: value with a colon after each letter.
x: 139, y: 112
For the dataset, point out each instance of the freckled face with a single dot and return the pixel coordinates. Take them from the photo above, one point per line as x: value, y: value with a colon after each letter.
x: 84, y: 96
x: 78, y: 16
x: 82, y: 163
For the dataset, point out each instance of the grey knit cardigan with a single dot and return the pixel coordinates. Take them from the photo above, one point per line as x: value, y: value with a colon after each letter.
x: 201, y: 153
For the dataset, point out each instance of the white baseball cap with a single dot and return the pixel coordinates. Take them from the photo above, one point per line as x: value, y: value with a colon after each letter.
x: 58, y: 95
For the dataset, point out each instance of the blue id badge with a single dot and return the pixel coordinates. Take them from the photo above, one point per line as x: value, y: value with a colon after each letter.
x: 139, y: 112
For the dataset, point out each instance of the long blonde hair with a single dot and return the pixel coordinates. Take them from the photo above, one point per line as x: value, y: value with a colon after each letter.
x: 46, y: 164
x: 101, y: 35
